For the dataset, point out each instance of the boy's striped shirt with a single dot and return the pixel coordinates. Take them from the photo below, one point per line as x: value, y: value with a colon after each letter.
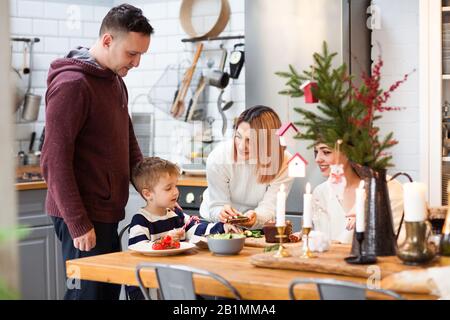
x: 148, y: 227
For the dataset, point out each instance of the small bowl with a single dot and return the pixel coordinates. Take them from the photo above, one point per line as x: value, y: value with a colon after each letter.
x: 226, y: 247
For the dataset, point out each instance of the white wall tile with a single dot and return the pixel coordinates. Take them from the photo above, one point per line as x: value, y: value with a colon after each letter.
x: 87, y: 13
x: 237, y: 6
x: 13, y: 8
x: 155, y: 11
x: 30, y: 8
x: 173, y: 9
x: 22, y: 26
x: 55, y: 10
x: 100, y: 13
x: 42, y: 61
x: 67, y: 28
x: 56, y: 45
x: 39, y: 79
x: 203, y: 8
x: 45, y: 27
x: 91, y: 29
x: 84, y: 42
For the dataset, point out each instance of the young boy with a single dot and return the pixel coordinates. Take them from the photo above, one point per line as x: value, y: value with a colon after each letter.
x: 156, y: 180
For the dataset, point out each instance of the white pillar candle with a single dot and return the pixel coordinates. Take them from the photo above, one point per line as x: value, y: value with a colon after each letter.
x: 414, y: 201
x: 307, y: 207
x: 281, y: 207
x: 360, y: 197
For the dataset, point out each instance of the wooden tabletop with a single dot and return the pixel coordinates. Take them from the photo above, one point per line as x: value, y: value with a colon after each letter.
x: 252, y: 282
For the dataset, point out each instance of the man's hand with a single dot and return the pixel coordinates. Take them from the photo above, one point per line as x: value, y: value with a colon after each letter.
x: 251, y: 214
x: 86, y: 242
x: 227, y: 213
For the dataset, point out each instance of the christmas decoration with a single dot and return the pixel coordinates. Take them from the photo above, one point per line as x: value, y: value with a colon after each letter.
x: 287, y: 134
x: 345, y: 112
x: 309, y: 88
x: 297, y: 166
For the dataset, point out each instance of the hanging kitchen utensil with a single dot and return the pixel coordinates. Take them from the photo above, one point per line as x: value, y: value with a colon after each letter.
x: 18, y: 87
x: 26, y: 57
x: 217, y: 77
x: 237, y: 59
x: 227, y: 105
x: 32, y: 102
x: 178, y: 105
x: 220, y: 24
x: 41, y: 140
x: 32, y: 139
x: 222, y: 113
x: 193, y: 113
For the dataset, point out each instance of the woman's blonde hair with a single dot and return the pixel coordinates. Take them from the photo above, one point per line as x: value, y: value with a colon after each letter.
x: 265, y: 122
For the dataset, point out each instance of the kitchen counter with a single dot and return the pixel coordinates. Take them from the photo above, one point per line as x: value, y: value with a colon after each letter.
x: 193, y: 181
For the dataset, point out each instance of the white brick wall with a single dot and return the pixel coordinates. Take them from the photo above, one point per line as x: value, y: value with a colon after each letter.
x: 399, y: 42
x: 50, y: 21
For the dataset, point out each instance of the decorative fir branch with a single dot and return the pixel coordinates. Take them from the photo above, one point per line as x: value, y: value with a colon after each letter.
x: 344, y: 112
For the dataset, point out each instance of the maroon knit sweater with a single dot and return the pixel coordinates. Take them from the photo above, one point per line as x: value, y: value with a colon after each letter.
x: 89, y: 145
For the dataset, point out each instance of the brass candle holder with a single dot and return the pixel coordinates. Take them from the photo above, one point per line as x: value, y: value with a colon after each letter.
x: 281, y: 252
x: 307, y: 253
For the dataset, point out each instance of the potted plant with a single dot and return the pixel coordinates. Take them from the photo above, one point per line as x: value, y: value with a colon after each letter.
x: 349, y: 113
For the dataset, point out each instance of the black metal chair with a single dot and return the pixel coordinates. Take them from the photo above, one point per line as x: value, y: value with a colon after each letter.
x: 121, y: 233
x: 176, y: 281
x: 331, y: 289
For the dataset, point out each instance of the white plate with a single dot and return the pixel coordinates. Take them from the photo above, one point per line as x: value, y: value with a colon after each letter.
x: 146, y: 249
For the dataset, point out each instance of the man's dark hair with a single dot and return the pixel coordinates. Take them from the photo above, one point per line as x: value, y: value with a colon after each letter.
x: 126, y: 18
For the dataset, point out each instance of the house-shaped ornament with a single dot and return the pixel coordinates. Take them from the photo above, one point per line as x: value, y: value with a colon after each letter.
x: 307, y: 88
x: 297, y: 166
x: 287, y: 132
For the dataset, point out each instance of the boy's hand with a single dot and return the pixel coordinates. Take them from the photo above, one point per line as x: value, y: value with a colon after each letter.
x: 230, y: 228
x: 177, y: 206
x: 177, y: 233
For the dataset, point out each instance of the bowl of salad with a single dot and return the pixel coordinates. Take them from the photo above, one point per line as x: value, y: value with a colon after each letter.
x: 226, y: 243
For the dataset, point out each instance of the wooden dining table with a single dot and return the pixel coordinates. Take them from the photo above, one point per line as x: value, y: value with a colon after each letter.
x: 253, y: 283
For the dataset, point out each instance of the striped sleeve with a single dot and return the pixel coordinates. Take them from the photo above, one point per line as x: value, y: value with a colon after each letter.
x: 139, y: 230
x: 205, y: 228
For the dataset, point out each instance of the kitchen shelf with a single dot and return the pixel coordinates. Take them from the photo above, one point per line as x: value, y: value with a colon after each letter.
x: 445, y: 159
x: 446, y: 77
x: 445, y: 9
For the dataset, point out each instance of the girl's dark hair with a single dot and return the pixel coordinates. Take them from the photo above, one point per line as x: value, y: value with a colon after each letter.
x: 126, y: 18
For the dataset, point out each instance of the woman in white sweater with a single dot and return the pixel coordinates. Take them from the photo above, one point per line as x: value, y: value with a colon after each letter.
x: 245, y: 173
x: 341, y: 211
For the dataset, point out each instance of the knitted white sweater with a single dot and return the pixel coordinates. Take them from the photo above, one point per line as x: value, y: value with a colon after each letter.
x: 236, y: 184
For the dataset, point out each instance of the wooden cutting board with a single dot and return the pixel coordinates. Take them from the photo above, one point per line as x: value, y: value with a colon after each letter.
x: 332, y: 262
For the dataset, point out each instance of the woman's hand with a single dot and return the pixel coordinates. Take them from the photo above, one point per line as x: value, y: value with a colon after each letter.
x: 350, y: 221
x: 227, y: 213
x: 251, y: 214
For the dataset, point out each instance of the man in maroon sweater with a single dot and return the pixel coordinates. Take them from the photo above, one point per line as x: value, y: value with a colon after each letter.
x: 90, y: 146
